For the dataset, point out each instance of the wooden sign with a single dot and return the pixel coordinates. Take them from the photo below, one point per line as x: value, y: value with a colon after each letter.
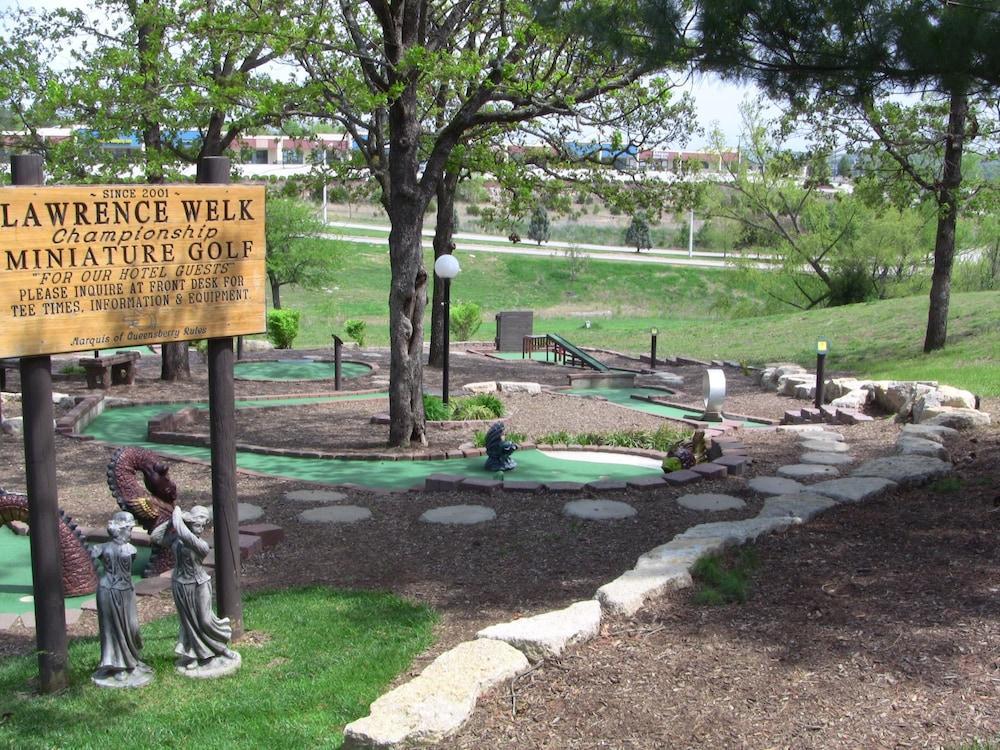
x: 107, y: 266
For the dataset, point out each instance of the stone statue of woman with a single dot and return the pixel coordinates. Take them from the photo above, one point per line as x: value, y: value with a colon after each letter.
x: 117, y: 616
x: 203, y: 643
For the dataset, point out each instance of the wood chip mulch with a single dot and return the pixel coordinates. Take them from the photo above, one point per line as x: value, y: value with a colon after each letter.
x: 875, y: 625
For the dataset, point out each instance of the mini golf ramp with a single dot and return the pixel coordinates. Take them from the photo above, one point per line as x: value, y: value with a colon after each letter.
x: 572, y: 355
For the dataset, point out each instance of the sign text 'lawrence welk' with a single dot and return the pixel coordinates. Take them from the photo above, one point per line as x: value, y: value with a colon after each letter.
x: 110, y: 266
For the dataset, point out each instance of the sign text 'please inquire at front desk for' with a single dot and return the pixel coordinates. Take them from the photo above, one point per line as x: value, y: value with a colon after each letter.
x: 122, y: 265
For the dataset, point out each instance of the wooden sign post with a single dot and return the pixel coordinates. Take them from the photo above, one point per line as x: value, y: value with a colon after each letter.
x: 84, y: 268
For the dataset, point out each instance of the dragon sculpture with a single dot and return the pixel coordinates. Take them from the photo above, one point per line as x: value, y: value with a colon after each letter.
x: 151, y: 502
x: 78, y: 573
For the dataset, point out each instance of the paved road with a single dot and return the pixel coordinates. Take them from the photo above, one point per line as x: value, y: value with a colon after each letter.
x: 476, y: 243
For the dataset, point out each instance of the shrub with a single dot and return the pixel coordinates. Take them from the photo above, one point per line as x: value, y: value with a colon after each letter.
x: 850, y: 285
x: 73, y: 370
x: 479, y: 438
x: 356, y: 330
x: 491, y: 401
x: 722, y: 584
x: 466, y: 410
x: 436, y: 410
x: 282, y: 327
x: 466, y: 317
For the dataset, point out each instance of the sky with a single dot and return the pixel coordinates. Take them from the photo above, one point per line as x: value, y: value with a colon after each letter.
x: 716, y: 102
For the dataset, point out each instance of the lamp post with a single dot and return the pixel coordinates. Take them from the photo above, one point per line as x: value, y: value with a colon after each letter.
x: 652, y: 347
x: 447, y: 268
x: 822, y: 347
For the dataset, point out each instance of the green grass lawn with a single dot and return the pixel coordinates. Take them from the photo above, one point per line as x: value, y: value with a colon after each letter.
x: 623, y: 301
x: 316, y: 660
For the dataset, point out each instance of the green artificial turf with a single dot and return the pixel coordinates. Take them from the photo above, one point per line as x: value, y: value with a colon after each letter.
x: 297, y: 369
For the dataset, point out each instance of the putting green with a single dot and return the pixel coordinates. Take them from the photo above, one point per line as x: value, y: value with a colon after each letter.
x: 297, y: 369
x: 537, y: 356
x: 127, y: 426
x: 15, y: 574
x: 623, y: 397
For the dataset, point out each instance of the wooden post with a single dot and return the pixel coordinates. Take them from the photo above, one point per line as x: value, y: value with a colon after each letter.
x: 43, y: 493
x: 338, y: 344
x: 222, y: 431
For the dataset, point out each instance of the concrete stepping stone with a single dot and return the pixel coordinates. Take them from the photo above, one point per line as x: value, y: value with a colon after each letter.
x: 335, y: 514
x: 802, y: 506
x: 547, y: 635
x: 852, y: 489
x: 909, y: 445
x: 807, y: 471
x: 826, y: 435
x: 246, y: 512
x: 459, y: 514
x: 824, y: 446
x: 598, y: 510
x: 710, y: 502
x: 775, y: 486
x: 438, y: 701
x: 826, y: 459
x: 938, y: 433
x: 904, y: 470
x: 315, y: 496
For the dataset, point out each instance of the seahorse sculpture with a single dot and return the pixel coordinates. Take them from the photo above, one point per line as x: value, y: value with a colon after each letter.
x: 151, y: 502
x: 78, y: 573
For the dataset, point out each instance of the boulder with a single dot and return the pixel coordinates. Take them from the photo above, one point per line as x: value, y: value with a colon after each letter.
x: 917, y: 446
x: 929, y: 432
x: 837, y: 387
x: 957, y: 419
x: 512, y: 387
x: 788, y: 383
x: 903, y: 470
x: 855, y: 399
x: 487, y: 386
x: 944, y: 396
x: 806, y: 391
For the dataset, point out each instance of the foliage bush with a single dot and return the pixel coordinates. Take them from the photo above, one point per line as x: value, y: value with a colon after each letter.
x: 480, y: 406
x: 282, y: 327
x: 72, y: 370
x: 851, y: 284
x: 356, y: 330
x: 724, y: 584
x: 664, y: 438
x: 466, y: 318
x: 479, y: 438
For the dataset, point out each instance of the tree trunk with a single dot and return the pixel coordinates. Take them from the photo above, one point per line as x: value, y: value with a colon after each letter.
x: 174, y: 362
x: 275, y: 292
x: 408, y: 290
x: 444, y: 230
x: 944, y: 242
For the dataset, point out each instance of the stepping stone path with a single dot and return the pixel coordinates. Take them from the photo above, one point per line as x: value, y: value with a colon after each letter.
x: 598, y: 510
x: 247, y: 512
x: 824, y: 446
x: 459, y: 514
x: 904, y: 470
x: 335, y: 514
x: 442, y: 697
x: 826, y: 459
x: 775, y: 486
x: 710, y: 502
x: 315, y: 496
x: 807, y: 471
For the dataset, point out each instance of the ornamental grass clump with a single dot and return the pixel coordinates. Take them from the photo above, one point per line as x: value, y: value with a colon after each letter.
x: 722, y: 582
x: 482, y: 406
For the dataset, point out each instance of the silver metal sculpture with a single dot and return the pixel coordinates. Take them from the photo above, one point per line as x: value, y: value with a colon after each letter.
x: 117, y: 615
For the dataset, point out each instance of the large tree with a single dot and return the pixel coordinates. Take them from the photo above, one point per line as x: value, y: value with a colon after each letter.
x: 378, y: 67
x: 863, y: 53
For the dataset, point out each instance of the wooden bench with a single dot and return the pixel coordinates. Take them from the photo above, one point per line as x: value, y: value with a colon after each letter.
x: 9, y: 363
x: 111, y: 369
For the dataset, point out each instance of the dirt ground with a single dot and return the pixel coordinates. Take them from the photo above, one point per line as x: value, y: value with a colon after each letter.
x: 875, y: 625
